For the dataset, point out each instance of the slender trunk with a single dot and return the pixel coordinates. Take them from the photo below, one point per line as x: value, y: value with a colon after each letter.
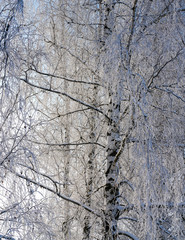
x: 66, y: 170
x: 113, y: 140
x: 66, y: 159
x: 66, y: 224
x: 91, y: 157
x: 112, y: 186
x: 90, y: 172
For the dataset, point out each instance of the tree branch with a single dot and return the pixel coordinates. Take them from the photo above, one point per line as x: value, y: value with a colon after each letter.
x: 6, y: 237
x: 130, y: 235
x: 171, y: 92
x: 64, y: 78
x: 75, y: 202
x: 66, y: 95
x: 68, y: 144
x: 8, y: 209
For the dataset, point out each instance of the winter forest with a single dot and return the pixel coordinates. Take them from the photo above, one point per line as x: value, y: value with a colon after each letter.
x: 92, y: 120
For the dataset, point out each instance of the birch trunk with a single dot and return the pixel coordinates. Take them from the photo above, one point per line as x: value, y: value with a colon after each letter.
x: 113, y: 139
x: 90, y: 170
x: 66, y: 136
x: 66, y: 227
x: 112, y: 187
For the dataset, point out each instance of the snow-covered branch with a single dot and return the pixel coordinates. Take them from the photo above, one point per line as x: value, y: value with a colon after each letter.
x: 75, y: 202
x: 66, y: 95
x: 128, y: 234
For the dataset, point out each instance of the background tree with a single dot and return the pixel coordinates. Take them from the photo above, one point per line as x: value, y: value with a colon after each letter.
x: 109, y: 97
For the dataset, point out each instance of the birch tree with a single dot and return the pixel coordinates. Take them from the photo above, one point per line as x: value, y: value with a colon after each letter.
x: 124, y: 77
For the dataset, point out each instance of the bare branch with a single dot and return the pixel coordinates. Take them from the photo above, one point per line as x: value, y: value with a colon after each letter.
x: 75, y: 202
x: 62, y: 77
x: 156, y: 73
x: 68, y: 144
x: 171, y: 92
x: 8, y: 209
x: 128, y: 218
x: 66, y: 95
x: 130, y: 235
x: 6, y: 237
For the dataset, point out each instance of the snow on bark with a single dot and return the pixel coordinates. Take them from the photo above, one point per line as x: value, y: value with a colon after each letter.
x: 112, y: 188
